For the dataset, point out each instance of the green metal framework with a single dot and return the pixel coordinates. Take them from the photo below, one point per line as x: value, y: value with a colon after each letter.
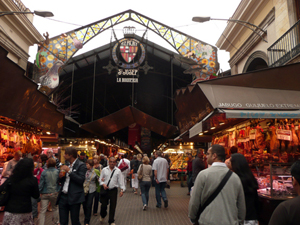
x: 65, y: 46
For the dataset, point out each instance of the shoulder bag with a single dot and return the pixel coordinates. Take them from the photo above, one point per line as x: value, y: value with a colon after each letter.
x: 123, y: 166
x: 140, y: 176
x: 213, y: 196
x: 86, y: 185
x: 5, y: 192
x: 103, y: 192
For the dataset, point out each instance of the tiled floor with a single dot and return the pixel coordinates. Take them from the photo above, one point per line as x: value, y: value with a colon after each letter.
x: 129, y: 209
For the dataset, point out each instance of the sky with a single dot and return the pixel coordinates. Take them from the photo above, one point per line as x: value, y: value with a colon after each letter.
x: 176, y: 14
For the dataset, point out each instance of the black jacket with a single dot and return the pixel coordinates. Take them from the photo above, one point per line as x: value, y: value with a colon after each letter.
x: 198, y: 165
x: 77, y: 177
x: 103, y: 162
x: 20, y: 195
x: 134, y: 165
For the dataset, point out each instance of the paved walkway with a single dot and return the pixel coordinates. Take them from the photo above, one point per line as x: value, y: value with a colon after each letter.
x: 129, y: 209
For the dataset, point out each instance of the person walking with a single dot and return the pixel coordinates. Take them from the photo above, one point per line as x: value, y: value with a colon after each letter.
x: 49, y: 191
x: 197, y: 165
x: 111, y: 179
x: 82, y: 157
x: 103, y: 161
x: 146, y: 170
x: 240, y: 166
x: 189, y: 172
x: 161, y: 172
x: 229, y: 204
x: 288, y: 212
x: 37, y: 172
x: 50, y: 155
x: 125, y: 172
x: 11, y: 165
x: 43, y: 160
x: 98, y: 169
x: 91, y: 179
x: 71, y: 195
x: 134, y: 165
x: 24, y: 185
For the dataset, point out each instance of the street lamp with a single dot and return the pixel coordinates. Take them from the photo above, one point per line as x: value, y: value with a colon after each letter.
x: 36, y: 12
x: 251, y: 26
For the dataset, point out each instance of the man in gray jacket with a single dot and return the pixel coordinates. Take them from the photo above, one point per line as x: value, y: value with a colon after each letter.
x: 229, y: 205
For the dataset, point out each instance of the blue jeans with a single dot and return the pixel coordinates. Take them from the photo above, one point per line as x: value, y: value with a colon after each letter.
x: 160, y: 189
x: 145, y: 187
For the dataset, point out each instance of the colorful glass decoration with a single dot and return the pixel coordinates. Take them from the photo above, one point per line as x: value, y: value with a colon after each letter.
x: 63, y: 47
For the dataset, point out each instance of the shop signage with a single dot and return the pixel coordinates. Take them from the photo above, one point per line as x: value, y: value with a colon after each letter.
x: 284, y: 135
x: 257, y: 105
x: 128, y: 54
x: 127, y: 76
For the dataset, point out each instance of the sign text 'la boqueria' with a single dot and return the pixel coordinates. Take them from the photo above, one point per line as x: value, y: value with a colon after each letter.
x: 258, y: 105
x: 127, y: 72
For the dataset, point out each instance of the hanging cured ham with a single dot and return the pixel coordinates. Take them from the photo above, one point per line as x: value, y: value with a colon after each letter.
x: 259, y: 141
x: 274, y: 142
x: 295, y: 140
x: 288, y: 144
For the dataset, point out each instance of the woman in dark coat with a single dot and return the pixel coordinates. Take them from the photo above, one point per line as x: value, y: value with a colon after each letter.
x: 23, y: 186
x: 239, y: 165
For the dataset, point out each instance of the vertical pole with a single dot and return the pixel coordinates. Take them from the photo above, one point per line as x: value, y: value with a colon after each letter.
x: 93, y: 101
x: 72, y: 88
x: 132, y: 95
x: 172, y: 110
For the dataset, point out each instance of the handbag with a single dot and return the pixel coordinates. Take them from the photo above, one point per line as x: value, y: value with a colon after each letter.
x: 103, y: 192
x: 123, y: 166
x: 213, y: 196
x: 86, y: 186
x: 5, y: 192
x: 140, y: 176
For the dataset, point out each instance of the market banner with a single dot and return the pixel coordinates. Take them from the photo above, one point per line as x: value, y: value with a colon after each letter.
x: 134, y: 134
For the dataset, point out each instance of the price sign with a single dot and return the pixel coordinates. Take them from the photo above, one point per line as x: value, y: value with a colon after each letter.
x: 252, y: 134
x: 242, y: 140
x: 284, y: 135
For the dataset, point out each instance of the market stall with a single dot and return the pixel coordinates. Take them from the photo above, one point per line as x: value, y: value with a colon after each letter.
x: 270, y: 147
x: 258, y: 112
x: 16, y: 136
x: 177, y: 152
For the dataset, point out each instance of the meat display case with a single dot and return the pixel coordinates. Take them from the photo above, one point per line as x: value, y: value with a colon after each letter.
x: 274, y: 180
x: 275, y: 186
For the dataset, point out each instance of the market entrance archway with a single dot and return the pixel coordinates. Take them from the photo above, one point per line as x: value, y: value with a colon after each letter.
x: 56, y: 52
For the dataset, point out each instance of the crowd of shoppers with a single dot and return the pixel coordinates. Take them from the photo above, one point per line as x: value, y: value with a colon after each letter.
x: 79, y: 182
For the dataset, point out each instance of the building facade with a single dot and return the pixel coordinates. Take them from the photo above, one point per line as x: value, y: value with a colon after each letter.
x: 17, y: 32
x: 276, y: 43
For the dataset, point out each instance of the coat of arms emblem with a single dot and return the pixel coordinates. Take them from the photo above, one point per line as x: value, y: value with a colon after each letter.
x: 128, y: 49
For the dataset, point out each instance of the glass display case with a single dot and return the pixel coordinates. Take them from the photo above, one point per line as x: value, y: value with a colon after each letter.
x: 274, y: 180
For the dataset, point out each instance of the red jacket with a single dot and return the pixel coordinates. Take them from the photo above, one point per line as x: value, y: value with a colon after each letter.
x: 37, y: 173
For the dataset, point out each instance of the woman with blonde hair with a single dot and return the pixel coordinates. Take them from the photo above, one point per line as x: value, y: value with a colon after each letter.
x: 146, y: 171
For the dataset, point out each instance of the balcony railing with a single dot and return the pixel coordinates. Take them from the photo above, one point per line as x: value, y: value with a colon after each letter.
x: 286, y: 47
x: 20, y: 5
